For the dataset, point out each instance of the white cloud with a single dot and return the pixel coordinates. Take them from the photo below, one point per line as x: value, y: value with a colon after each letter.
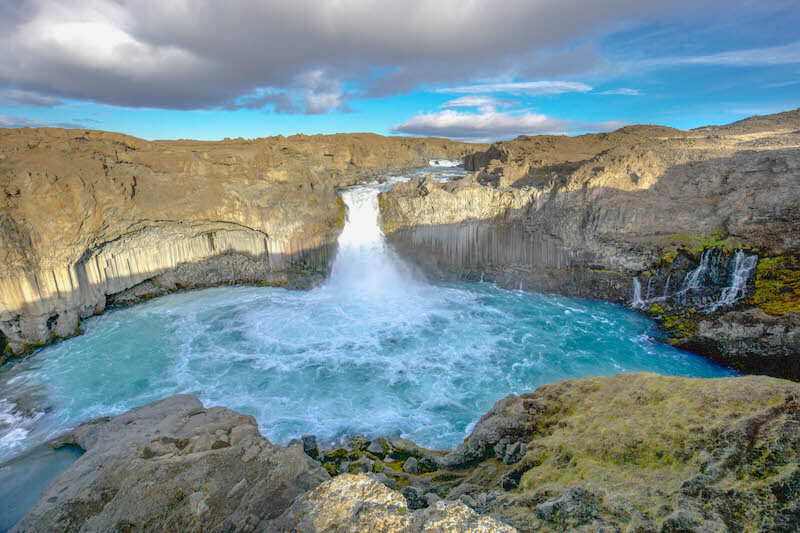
x: 491, y: 125
x: 13, y: 121
x: 788, y: 54
x: 622, y: 91
x: 484, y: 103
x: 530, y: 88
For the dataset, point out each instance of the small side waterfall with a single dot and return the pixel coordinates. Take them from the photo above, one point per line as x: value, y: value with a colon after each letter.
x: 694, y: 279
x: 637, y: 302
x: 709, y: 286
x: 742, y: 266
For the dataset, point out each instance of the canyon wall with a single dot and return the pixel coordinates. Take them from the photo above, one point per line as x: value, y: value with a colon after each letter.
x: 89, y: 218
x: 698, y: 228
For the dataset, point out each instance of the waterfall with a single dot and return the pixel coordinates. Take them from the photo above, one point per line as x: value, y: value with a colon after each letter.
x: 637, y: 301
x: 694, y: 279
x: 743, y: 264
x: 364, y: 265
x: 739, y: 269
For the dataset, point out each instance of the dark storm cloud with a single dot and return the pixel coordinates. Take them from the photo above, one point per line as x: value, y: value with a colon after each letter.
x: 193, y: 54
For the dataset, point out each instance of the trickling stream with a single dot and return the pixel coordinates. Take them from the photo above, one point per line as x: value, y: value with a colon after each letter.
x: 376, y: 349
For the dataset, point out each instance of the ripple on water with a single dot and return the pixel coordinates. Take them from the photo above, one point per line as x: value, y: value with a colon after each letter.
x: 425, y: 366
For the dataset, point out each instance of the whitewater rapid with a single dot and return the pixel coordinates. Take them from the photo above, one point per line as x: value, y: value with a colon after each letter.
x: 375, y: 350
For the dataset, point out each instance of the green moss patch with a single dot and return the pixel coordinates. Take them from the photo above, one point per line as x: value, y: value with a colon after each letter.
x: 778, y: 284
x: 642, y: 436
x: 695, y: 243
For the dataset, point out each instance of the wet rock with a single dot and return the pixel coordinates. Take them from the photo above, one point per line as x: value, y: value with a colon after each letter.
x: 386, y: 480
x: 414, y: 499
x: 378, y: 447
x: 411, y: 466
x: 363, y: 464
x: 310, y: 446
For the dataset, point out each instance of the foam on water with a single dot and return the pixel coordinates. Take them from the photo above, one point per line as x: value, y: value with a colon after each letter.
x: 445, y: 162
x: 375, y: 350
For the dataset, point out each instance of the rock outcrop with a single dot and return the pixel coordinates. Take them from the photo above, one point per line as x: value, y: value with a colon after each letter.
x: 686, y: 225
x: 633, y: 452
x: 174, y: 465
x: 89, y: 218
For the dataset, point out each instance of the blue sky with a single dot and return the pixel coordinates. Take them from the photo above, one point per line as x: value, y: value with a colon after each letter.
x: 469, y: 70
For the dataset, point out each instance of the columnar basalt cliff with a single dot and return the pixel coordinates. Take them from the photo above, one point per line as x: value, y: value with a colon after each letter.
x: 634, y: 452
x: 91, y: 219
x: 699, y: 228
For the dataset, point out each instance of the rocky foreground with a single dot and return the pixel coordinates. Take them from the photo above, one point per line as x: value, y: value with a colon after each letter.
x: 699, y: 228
x: 634, y: 452
x: 90, y: 219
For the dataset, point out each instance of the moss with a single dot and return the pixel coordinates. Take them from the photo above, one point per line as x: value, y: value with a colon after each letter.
x: 642, y: 430
x: 678, y: 325
x: 606, y: 272
x: 778, y: 284
x: 670, y: 255
x: 397, y: 466
x: 695, y: 243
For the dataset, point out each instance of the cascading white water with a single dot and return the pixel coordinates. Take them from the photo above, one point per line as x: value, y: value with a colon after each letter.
x: 743, y: 264
x: 694, y: 279
x: 364, y: 267
x: 445, y: 163
x: 740, y: 267
x: 637, y: 302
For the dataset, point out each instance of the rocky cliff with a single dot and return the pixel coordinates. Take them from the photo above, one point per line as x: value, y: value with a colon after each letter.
x: 699, y: 228
x: 634, y: 452
x: 89, y: 218
x: 174, y: 465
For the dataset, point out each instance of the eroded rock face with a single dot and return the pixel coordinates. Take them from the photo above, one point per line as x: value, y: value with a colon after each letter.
x: 89, y: 219
x: 174, y: 466
x: 589, y: 216
x: 355, y: 503
x: 633, y: 452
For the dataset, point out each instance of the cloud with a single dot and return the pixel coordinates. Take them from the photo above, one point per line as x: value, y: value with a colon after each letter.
x: 529, y: 88
x: 194, y: 54
x: 313, y: 94
x: 30, y: 99
x: 491, y: 125
x: 13, y: 121
x: 484, y: 103
x: 788, y: 54
x: 622, y: 91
